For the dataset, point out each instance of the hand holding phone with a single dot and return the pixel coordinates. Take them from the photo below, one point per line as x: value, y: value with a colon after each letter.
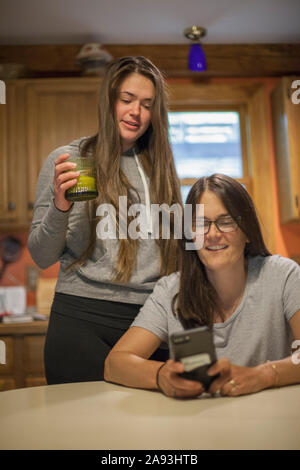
x: 195, y: 349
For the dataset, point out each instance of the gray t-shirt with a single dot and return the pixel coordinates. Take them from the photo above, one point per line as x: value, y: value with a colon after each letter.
x: 258, y: 330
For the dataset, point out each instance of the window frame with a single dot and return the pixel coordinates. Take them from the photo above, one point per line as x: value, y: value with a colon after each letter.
x: 251, y: 101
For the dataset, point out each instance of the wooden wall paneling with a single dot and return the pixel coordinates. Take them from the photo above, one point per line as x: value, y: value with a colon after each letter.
x: 234, y: 60
x: 205, y: 94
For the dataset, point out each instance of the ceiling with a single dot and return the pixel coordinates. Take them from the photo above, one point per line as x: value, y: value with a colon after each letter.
x: 24, y: 22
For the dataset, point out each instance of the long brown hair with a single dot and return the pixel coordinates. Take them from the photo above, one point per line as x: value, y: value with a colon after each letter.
x: 196, y: 303
x: 156, y: 158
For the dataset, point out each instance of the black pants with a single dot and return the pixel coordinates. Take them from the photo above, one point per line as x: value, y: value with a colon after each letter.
x: 80, y: 335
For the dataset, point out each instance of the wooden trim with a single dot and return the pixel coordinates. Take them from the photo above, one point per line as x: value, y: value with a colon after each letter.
x: 35, y: 327
x: 194, y: 94
x: 223, y: 60
x: 244, y: 142
x: 261, y: 165
x: 242, y: 110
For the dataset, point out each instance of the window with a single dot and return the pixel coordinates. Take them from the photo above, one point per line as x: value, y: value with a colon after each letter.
x: 207, y: 142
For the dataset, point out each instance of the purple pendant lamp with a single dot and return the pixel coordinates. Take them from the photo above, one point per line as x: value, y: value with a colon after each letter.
x: 197, y: 60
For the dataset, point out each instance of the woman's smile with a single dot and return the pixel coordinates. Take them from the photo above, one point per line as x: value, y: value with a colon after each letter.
x: 216, y: 248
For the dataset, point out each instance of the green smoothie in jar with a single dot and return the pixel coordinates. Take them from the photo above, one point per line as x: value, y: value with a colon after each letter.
x: 85, y: 188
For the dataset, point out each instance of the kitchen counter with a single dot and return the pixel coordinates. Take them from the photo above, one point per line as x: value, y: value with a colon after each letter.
x: 99, y: 415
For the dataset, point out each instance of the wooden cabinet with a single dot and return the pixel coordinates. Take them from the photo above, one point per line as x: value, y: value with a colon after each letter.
x: 58, y: 111
x: 12, y: 158
x: 286, y: 120
x: 24, y: 355
x: 39, y: 115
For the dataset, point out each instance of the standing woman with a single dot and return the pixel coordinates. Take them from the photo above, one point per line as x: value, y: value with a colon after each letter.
x: 103, y: 283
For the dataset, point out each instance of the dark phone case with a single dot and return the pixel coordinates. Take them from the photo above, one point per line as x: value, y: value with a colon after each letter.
x: 200, y: 375
x: 193, y: 342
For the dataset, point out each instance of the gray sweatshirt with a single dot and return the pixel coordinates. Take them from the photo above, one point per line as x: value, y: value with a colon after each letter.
x: 63, y: 236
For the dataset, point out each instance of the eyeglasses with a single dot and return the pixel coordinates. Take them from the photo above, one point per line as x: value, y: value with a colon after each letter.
x: 223, y: 224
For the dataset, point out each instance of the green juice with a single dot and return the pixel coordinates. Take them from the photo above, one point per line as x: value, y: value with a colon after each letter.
x: 85, y: 188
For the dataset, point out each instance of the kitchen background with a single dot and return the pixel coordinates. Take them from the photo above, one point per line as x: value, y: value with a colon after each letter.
x: 247, y: 43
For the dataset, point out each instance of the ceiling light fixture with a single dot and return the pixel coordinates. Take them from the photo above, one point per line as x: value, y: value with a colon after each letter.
x: 197, y: 60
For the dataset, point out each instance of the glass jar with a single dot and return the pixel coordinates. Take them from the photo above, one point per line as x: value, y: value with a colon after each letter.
x: 85, y: 188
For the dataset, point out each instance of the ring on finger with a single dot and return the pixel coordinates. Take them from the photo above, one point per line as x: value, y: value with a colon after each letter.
x: 234, y: 385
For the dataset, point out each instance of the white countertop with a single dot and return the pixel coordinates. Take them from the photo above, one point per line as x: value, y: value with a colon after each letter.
x: 98, y: 415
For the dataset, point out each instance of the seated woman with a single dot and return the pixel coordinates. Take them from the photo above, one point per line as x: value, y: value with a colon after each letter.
x: 249, y: 298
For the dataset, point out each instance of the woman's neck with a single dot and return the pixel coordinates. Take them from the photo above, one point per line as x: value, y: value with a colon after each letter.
x: 126, y: 148
x: 230, y: 286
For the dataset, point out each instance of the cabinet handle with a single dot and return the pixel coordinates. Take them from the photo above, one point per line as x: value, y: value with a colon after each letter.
x: 30, y: 206
x: 297, y: 201
x: 11, y: 206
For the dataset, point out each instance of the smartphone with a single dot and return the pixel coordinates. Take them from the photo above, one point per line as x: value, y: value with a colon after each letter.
x: 195, y: 349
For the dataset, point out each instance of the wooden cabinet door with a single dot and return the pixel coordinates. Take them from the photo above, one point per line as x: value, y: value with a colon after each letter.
x: 293, y: 122
x: 286, y: 119
x: 7, y: 383
x: 34, y: 354
x: 58, y: 111
x: 7, y: 370
x: 12, y: 159
x: 7, y: 350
